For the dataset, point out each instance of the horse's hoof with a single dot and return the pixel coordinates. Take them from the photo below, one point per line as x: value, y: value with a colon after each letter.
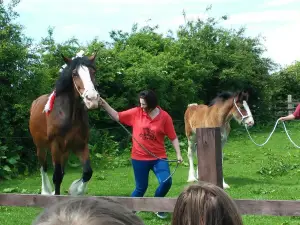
x: 46, y: 193
x: 190, y: 180
x: 77, y: 188
x: 225, y: 186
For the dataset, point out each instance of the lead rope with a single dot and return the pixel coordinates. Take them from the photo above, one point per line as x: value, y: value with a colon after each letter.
x: 142, y: 146
x: 272, y: 134
x: 290, y: 137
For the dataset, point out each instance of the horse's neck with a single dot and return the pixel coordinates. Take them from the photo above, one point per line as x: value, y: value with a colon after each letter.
x: 226, y: 115
x: 219, y: 114
x: 70, y: 105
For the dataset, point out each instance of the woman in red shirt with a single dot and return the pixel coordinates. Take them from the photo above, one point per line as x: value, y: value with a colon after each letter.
x: 150, y: 124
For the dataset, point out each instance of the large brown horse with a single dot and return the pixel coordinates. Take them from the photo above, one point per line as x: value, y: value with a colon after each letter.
x: 59, y: 123
x: 217, y: 114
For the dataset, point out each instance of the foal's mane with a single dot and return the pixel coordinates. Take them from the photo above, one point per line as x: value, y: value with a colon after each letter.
x: 221, y: 97
x: 65, y: 82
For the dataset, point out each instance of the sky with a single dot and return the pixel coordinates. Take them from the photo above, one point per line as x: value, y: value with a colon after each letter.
x: 277, y: 21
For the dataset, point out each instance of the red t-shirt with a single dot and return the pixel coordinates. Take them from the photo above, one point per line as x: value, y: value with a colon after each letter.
x: 149, y: 133
x: 297, y: 112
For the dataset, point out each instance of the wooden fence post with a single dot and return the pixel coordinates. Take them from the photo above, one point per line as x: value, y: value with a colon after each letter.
x: 210, y: 155
x: 290, y: 104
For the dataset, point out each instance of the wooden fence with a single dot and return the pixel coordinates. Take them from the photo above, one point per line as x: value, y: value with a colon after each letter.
x: 291, y: 104
x: 285, y: 107
x: 209, y: 169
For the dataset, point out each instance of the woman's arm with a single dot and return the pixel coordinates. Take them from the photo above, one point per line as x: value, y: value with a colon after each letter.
x: 113, y: 113
x: 289, y: 117
x: 292, y: 116
x: 176, y: 146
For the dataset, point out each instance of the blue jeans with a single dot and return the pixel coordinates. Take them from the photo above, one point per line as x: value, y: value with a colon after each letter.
x: 141, y: 170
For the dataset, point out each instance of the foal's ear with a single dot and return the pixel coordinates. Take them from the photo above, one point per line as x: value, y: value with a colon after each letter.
x: 66, y: 59
x: 243, y: 95
x: 246, y: 95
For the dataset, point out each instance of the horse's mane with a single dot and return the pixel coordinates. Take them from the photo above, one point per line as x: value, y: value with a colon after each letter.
x: 65, y: 82
x: 221, y: 97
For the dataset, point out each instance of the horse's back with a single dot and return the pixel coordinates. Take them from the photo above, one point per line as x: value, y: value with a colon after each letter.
x: 37, y: 121
x: 194, y: 110
x: 194, y: 116
x: 38, y: 103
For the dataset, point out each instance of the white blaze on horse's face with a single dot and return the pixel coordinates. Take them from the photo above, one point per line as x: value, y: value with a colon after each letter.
x: 244, y: 115
x: 248, y: 121
x: 90, y: 95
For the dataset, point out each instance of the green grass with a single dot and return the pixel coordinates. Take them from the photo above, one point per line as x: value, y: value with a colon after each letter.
x: 268, y: 172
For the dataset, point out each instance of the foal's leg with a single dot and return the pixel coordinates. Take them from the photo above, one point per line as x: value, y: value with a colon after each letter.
x: 191, y: 150
x: 79, y: 187
x: 223, y: 142
x: 46, y: 185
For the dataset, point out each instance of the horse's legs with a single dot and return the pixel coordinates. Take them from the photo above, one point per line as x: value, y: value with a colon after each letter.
x: 58, y: 159
x: 79, y: 186
x: 223, y: 142
x: 191, y: 150
x: 46, y: 185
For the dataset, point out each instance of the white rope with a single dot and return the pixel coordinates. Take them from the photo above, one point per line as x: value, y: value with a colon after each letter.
x: 290, y: 137
x: 267, y: 138
x: 272, y: 134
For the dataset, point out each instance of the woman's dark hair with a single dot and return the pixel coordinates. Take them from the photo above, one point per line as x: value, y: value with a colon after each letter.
x: 150, y: 98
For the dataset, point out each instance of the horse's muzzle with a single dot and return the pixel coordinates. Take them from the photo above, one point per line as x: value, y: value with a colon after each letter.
x: 91, y: 99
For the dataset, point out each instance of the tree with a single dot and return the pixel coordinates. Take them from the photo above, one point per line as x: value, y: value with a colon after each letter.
x: 17, y: 83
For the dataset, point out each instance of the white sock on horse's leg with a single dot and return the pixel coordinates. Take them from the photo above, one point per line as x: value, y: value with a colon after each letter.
x: 191, y: 177
x: 46, y: 185
x: 224, y: 183
x: 78, y: 187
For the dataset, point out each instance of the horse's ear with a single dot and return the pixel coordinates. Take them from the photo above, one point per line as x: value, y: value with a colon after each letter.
x: 66, y: 59
x: 246, y: 94
x: 240, y: 96
x: 92, y: 58
x: 243, y: 95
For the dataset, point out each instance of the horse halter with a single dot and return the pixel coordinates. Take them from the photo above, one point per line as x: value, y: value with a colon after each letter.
x: 244, y: 104
x: 82, y: 95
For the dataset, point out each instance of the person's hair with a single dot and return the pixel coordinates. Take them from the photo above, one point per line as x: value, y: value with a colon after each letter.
x: 205, y: 204
x: 87, y: 211
x: 150, y: 98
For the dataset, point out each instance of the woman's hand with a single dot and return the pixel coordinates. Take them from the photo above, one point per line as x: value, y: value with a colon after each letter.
x: 111, y: 112
x: 179, y: 158
x: 101, y: 101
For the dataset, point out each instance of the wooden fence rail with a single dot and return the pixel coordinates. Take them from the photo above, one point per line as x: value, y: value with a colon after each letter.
x: 210, y: 170
x: 150, y: 204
